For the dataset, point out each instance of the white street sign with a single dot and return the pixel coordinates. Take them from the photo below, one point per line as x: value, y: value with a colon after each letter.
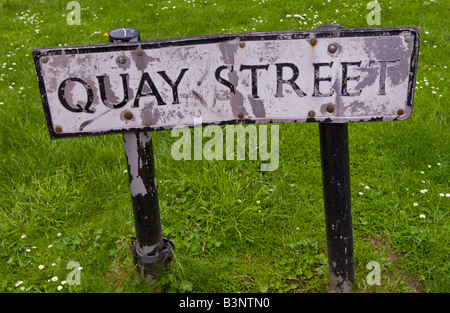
x: 337, y: 76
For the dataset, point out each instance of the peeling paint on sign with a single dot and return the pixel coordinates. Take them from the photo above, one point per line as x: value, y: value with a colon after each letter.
x: 337, y: 76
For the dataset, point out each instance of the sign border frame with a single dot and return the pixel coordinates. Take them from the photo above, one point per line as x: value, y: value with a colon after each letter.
x: 38, y: 53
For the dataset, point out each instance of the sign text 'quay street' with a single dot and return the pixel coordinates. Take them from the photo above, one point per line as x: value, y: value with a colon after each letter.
x: 337, y: 76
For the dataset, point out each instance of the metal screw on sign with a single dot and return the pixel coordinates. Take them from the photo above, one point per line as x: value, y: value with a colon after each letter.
x: 330, y: 108
x: 150, y: 250
x: 337, y: 199
x: 332, y: 48
x: 121, y: 60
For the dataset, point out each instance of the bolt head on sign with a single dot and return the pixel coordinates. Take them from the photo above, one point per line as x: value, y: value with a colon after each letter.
x: 124, y: 35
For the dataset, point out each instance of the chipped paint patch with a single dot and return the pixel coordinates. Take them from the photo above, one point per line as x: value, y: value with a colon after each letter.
x: 134, y: 160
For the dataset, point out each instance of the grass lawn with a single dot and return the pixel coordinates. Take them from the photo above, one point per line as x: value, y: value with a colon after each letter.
x: 236, y: 228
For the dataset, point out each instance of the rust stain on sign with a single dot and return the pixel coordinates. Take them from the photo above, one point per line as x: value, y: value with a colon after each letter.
x: 345, y: 75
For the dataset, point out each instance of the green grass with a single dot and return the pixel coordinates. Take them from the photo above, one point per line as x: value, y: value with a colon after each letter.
x: 236, y: 229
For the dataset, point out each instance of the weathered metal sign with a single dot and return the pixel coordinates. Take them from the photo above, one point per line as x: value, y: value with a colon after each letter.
x: 338, y: 76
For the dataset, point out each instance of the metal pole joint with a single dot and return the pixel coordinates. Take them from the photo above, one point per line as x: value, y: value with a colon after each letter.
x: 164, y: 255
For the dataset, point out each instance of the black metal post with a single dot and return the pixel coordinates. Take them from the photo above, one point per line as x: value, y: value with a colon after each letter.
x: 150, y: 251
x: 337, y: 202
x: 337, y: 205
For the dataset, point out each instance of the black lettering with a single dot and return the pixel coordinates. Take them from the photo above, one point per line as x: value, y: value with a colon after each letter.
x: 101, y: 84
x: 383, y: 66
x: 253, y: 69
x: 154, y: 92
x: 172, y: 85
x: 223, y: 81
x: 345, y: 79
x: 291, y: 81
x: 318, y: 79
x: 62, y: 95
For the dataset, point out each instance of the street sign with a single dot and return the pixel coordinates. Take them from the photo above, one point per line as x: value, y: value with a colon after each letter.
x: 336, y: 76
